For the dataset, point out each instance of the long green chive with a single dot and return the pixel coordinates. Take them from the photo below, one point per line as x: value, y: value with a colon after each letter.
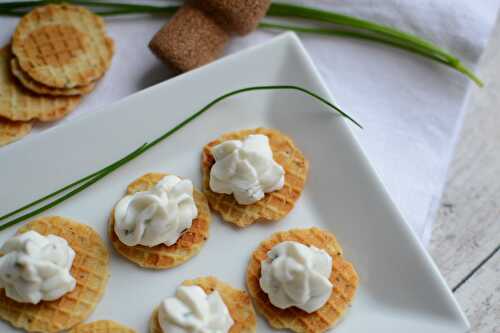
x: 69, y: 186
x: 368, y: 30
x: 89, y: 180
x: 351, y: 34
x: 288, y: 10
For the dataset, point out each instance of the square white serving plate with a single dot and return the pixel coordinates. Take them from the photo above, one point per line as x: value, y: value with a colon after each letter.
x: 400, y: 289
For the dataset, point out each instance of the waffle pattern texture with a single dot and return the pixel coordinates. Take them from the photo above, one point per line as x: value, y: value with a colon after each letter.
x: 62, y: 46
x: 102, y: 326
x: 11, y: 131
x: 19, y: 104
x: 237, y: 301
x: 39, y: 88
x: 163, y: 256
x: 274, y: 205
x: 343, y: 277
x: 90, y: 269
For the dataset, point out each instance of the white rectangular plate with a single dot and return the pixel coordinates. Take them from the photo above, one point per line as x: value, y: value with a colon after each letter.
x: 400, y: 287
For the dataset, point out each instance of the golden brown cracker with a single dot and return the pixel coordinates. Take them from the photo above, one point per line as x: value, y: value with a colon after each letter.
x: 19, y: 104
x: 274, y: 205
x: 238, y: 303
x: 343, y: 277
x: 42, y: 89
x: 163, y: 256
x: 11, y: 131
x: 62, y: 45
x: 102, y: 326
x: 90, y: 269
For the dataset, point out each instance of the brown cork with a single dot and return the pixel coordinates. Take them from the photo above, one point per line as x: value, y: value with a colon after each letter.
x: 238, y: 16
x: 189, y: 40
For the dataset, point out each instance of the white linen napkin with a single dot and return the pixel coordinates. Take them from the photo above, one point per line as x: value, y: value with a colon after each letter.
x: 411, y: 107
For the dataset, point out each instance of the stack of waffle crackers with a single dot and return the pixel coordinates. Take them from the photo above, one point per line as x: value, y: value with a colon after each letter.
x: 57, y: 55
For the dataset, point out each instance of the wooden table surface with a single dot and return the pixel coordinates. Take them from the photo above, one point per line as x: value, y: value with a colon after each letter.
x: 466, y: 236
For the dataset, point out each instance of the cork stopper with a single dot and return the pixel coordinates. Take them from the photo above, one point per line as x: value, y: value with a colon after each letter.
x: 189, y: 40
x: 198, y: 32
x: 237, y: 16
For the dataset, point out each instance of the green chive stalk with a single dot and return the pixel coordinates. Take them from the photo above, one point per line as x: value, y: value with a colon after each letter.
x: 351, y: 34
x: 85, y: 182
x: 345, y: 21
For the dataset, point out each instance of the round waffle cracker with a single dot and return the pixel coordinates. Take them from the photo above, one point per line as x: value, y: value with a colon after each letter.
x: 163, y: 256
x: 343, y: 277
x: 62, y: 46
x: 238, y: 303
x: 39, y: 88
x: 90, y: 269
x: 102, y: 326
x: 11, y: 131
x: 19, y: 104
x: 274, y: 205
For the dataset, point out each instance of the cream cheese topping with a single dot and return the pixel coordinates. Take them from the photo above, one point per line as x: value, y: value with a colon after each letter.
x: 36, y: 268
x: 193, y: 311
x: 294, y: 274
x: 157, y: 216
x: 246, y: 169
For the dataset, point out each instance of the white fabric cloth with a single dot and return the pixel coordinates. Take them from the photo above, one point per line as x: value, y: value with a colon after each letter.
x: 411, y: 107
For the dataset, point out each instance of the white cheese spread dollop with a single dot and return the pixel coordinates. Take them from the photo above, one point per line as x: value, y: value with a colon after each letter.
x: 294, y: 274
x: 193, y: 311
x: 36, y: 268
x: 246, y: 169
x: 157, y: 216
